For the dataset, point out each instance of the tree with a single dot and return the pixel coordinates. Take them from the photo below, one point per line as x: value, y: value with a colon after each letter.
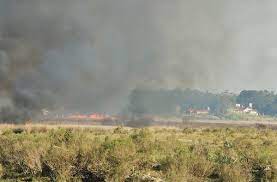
x: 262, y: 100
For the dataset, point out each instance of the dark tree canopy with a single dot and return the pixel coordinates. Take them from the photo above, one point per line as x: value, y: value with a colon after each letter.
x: 166, y: 101
x: 264, y: 101
x: 142, y: 101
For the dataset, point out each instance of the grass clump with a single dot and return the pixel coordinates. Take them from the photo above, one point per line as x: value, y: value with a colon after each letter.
x: 147, y: 154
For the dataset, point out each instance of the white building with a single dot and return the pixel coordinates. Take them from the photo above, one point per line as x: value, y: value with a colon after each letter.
x: 246, y: 110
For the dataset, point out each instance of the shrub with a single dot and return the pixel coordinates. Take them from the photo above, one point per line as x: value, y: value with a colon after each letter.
x: 138, y: 155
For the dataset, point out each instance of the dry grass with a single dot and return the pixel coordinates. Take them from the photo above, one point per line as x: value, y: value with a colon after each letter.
x: 70, y: 153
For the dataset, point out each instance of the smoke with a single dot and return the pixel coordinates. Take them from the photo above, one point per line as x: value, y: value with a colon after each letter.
x: 87, y: 55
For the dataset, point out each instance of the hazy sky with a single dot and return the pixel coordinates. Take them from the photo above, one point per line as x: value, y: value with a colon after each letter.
x: 90, y: 53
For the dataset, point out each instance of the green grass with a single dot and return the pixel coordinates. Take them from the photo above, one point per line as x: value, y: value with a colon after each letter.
x: 153, y: 154
x: 248, y: 117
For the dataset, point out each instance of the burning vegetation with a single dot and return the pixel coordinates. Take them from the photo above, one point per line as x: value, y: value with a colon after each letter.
x: 89, y: 60
x: 129, y: 63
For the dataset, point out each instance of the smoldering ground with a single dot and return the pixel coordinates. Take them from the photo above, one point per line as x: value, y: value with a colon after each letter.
x: 87, y: 55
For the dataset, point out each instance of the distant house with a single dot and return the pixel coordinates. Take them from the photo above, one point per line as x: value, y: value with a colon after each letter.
x: 246, y: 110
x: 251, y: 111
x: 238, y: 109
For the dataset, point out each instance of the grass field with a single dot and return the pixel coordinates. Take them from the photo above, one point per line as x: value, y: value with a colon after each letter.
x: 122, y: 154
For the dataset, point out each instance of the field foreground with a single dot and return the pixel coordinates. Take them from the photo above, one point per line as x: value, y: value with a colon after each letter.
x: 124, y: 154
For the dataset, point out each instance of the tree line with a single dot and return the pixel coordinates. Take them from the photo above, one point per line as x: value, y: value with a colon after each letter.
x: 163, y: 101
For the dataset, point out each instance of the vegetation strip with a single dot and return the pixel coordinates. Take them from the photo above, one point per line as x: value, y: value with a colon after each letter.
x: 153, y: 154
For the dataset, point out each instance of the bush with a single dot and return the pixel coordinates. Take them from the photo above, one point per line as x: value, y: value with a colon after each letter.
x: 138, y: 155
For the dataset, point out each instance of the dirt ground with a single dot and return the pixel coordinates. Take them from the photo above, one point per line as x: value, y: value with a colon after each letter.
x: 185, y: 124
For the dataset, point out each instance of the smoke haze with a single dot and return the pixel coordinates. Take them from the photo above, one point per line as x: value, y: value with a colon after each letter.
x: 88, y: 55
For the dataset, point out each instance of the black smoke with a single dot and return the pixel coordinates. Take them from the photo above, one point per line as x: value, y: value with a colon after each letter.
x: 87, y: 55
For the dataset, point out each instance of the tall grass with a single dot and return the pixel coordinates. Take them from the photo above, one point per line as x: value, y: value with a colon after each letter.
x: 67, y: 154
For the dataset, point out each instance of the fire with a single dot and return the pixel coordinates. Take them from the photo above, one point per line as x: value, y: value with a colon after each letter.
x: 97, y: 116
